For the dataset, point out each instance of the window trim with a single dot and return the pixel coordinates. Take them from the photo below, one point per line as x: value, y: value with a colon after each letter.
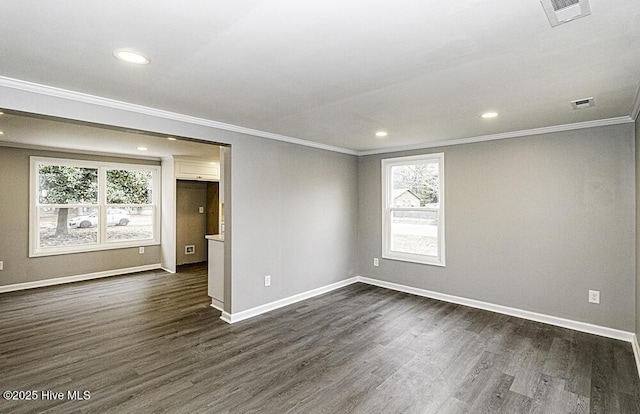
x: 387, y: 192
x: 102, y: 244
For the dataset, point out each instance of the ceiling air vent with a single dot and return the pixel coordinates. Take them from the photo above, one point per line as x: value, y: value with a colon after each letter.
x: 582, y: 103
x: 563, y: 11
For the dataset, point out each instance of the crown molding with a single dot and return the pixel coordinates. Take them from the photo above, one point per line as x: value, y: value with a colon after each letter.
x: 159, y: 113
x: 505, y: 135
x: 145, y: 110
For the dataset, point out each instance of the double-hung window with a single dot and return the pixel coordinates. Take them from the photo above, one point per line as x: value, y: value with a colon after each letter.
x: 413, y: 209
x: 79, y: 206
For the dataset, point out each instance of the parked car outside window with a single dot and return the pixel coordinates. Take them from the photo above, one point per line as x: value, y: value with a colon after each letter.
x: 115, y: 217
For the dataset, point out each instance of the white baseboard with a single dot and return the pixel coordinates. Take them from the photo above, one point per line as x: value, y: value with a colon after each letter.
x: 636, y: 351
x: 77, y: 278
x: 259, y: 310
x: 533, y: 316
x: 216, y: 304
x: 226, y: 316
x: 520, y: 313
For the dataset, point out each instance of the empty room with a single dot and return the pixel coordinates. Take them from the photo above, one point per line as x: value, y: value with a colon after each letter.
x: 277, y: 206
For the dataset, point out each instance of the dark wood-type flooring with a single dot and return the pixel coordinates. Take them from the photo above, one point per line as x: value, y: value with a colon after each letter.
x: 150, y: 343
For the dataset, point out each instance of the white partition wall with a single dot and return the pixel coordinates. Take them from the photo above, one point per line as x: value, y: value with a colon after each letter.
x: 168, y: 208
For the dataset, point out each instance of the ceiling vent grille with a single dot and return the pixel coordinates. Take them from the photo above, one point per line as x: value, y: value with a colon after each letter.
x: 563, y: 11
x: 561, y: 4
x: 583, y: 103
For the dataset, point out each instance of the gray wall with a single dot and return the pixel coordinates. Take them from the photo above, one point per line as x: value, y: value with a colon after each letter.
x: 531, y: 223
x: 531, y: 235
x: 268, y: 184
x: 637, y: 142
x: 297, y: 207
x: 14, y: 222
x: 191, y: 225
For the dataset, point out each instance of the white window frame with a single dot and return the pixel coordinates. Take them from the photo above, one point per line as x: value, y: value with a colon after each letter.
x: 35, y: 250
x: 388, y: 209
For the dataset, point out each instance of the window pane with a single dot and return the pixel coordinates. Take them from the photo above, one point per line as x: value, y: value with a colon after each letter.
x: 415, y: 232
x: 68, y: 226
x: 59, y: 184
x: 126, y: 224
x: 415, y: 185
x: 88, y: 206
x: 129, y: 187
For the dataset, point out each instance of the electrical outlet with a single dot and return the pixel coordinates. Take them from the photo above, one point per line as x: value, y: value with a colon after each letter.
x: 376, y: 262
x: 1, y: 264
x: 594, y: 296
x: 267, y: 280
x: 200, y: 210
x: 141, y: 250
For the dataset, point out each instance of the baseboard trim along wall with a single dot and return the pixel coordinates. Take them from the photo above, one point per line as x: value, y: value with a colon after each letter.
x: 226, y: 316
x: 216, y: 304
x: 533, y: 316
x: 77, y: 278
x: 259, y: 310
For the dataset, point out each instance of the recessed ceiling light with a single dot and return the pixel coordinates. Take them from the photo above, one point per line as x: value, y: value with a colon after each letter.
x: 488, y: 115
x: 172, y: 139
x: 1, y: 133
x: 142, y: 148
x: 130, y: 56
x: 1, y: 113
x: 381, y: 134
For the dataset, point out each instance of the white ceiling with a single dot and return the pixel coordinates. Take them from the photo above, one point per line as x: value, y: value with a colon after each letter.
x: 336, y: 71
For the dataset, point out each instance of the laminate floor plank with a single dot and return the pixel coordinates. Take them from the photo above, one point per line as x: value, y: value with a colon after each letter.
x: 453, y: 406
x: 484, y: 376
x: 415, y: 388
x: 515, y: 403
x: 604, y: 380
x: 557, y: 360
x: 150, y: 343
x: 579, y: 364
